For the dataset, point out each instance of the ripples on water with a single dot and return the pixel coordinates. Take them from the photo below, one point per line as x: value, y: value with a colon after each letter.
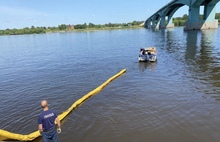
x: 173, y: 99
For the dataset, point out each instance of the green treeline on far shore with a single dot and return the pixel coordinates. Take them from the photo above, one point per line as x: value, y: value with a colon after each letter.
x: 178, y: 21
x: 70, y: 28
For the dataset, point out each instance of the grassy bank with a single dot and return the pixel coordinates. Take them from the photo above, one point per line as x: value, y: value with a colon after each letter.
x: 71, y: 28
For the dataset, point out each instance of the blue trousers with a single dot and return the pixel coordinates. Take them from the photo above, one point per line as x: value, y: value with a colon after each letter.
x: 50, y: 136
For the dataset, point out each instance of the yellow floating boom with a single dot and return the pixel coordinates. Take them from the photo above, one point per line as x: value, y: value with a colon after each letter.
x: 5, y: 135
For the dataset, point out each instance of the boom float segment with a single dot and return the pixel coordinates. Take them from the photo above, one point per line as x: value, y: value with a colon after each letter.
x: 6, y: 135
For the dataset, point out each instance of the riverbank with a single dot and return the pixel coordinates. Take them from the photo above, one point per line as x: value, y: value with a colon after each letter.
x: 94, y: 29
x: 42, y: 30
x: 71, y: 28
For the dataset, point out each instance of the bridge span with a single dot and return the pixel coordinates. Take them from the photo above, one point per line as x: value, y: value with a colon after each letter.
x: 163, y: 17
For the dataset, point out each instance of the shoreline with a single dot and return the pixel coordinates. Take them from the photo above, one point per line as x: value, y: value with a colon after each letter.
x: 94, y: 29
x: 47, y: 31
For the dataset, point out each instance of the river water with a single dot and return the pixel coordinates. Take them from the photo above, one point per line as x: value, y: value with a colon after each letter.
x: 176, y: 99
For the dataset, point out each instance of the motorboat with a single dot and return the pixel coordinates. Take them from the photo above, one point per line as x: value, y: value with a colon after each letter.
x: 147, y: 54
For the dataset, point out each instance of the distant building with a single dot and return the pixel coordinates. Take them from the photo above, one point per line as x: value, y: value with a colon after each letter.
x: 71, y: 27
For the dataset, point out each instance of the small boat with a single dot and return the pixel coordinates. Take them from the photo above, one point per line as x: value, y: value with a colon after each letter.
x: 147, y: 54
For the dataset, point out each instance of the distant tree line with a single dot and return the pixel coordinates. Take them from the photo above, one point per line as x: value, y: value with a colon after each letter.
x: 217, y: 16
x: 179, y: 21
x: 26, y: 30
x: 64, y: 27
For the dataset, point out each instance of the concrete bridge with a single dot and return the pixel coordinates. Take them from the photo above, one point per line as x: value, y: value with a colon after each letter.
x: 163, y: 17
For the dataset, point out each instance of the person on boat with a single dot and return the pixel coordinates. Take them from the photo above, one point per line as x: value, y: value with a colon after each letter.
x: 153, y: 50
x: 46, y: 125
x: 142, y: 51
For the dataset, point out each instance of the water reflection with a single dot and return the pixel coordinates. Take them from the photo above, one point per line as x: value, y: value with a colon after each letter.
x: 173, y: 41
x: 208, y: 37
x: 203, y: 60
x: 191, y: 43
x: 147, y: 65
x: 199, y: 40
x: 200, y: 51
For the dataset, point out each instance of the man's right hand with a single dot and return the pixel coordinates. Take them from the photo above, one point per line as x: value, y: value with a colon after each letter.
x: 59, y: 130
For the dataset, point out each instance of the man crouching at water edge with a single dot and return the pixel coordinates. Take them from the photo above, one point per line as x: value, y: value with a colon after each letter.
x: 46, y: 124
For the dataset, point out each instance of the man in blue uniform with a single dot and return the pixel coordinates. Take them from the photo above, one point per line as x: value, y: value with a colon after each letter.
x: 46, y: 124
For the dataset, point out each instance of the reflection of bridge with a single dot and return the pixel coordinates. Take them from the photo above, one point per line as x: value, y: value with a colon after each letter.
x: 163, y: 17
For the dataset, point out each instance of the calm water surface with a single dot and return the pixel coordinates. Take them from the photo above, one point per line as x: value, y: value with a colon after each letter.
x: 176, y: 99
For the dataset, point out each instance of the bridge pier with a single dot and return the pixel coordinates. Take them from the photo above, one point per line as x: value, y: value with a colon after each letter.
x: 170, y: 22
x: 208, y: 21
x: 153, y: 24
x: 164, y: 25
x: 147, y: 24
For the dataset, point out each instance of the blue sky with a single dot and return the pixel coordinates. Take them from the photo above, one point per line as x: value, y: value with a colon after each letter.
x: 25, y: 13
